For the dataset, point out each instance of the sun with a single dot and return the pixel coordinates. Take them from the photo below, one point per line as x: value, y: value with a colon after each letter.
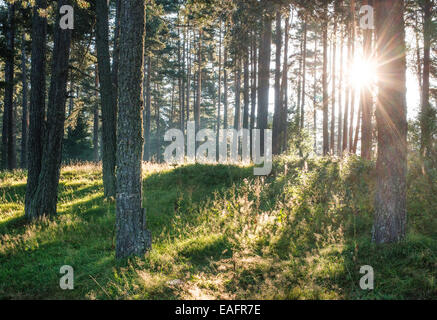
x: 363, y: 73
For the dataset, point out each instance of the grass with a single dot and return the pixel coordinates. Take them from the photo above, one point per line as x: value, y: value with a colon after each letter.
x: 221, y: 233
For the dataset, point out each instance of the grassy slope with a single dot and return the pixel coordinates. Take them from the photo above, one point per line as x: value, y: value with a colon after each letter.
x: 220, y: 232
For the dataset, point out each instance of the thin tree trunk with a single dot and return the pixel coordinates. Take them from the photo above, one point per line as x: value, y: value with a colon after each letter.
x: 427, y: 117
x: 304, y: 64
x: 107, y: 97
x: 225, y: 89
x: 277, y: 112
x: 253, y: 85
x: 284, y: 88
x: 25, y: 116
x: 334, y: 82
x: 237, y: 116
x: 199, y: 84
x: 315, y: 96
x: 391, y: 165
x: 8, y: 145
x: 348, y: 92
x: 147, y: 141
x: 219, y: 92
x: 96, y: 124
x: 340, y: 99
x: 325, y: 81
x: 264, y: 77
x: 352, y: 106
x: 366, y: 101
x: 131, y: 233
x: 246, y: 89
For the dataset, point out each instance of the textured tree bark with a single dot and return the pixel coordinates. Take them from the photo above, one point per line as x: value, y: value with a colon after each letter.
x: 107, y: 97
x: 8, y: 143
x: 277, y: 112
x: 264, y: 77
x: 25, y: 116
x: 391, y: 166
x: 37, y: 104
x: 366, y: 100
x: 325, y: 81
x: 132, y: 236
x: 44, y: 201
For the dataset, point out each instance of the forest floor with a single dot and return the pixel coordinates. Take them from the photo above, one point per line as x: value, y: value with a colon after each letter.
x: 221, y: 233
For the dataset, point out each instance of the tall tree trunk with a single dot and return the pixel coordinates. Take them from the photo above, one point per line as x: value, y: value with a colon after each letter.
x: 299, y: 87
x: 334, y: 82
x: 391, y: 165
x: 188, y: 74
x: 284, y: 88
x: 426, y: 114
x: 315, y: 95
x: 366, y: 100
x: 132, y: 236
x: 45, y: 198
x: 8, y: 143
x: 147, y: 116
x: 253, y: 89
x: 225, y: 91
x: 96, y: 123
x: 107, y: 97
x: 25, y: 116
x: 180, y: 84
x: 352, y: 105
x: 246, y: 89
x: 325, y: 81
x: 277, y: 112
x: 264, y: 77
x: 158, y: 125
x: 199, y: 83
x: 219, y: 93
x: 340, y: 98
x: 347, y: 91
x: 237, y: 117
x: 357, y: 129
x: 37, y: 104
x: 304, y: 64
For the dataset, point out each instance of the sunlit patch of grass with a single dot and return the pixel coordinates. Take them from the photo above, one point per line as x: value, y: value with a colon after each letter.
x: 220, y: 233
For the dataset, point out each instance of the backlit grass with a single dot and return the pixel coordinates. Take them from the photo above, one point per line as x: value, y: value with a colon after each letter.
x: 220, y: 232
